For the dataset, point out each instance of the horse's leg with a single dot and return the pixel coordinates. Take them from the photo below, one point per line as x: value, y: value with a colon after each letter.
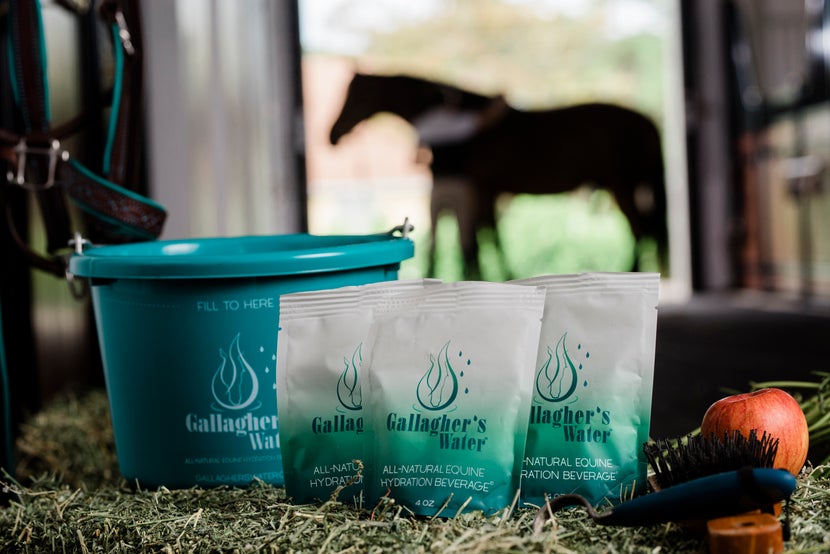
x: 644, y: 206
x: 434, y: 211
x: 624, y: 194
x: 440, y: 201
x: 457, y: 196
x: 469, y: 217
x: 487, y: 221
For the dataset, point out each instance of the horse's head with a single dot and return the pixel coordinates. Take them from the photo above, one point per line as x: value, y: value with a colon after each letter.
x: 358, y: 105
x: 407, y: 97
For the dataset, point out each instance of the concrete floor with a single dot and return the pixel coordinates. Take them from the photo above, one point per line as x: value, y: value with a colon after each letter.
x: 717, y: 344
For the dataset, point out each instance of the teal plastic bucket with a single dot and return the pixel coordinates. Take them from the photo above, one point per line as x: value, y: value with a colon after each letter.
x: 188, y: 336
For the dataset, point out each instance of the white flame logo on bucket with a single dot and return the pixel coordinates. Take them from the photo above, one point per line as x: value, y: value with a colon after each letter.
x: 234, y: 379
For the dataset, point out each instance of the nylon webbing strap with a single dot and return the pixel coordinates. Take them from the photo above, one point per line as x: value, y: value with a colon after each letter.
x: 134, y: 217
x: 29, y: 84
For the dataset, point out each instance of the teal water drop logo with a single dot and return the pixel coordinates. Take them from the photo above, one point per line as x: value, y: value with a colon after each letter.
x: 235, y: 385
x: 556, y: 380
x: 438, y: 387
x: 349, y: 392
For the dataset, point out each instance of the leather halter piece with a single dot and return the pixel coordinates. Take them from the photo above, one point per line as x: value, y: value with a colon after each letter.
x: 34, y: 153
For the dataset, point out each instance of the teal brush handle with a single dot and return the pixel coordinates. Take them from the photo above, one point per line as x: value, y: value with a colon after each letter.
x: 710, y: 497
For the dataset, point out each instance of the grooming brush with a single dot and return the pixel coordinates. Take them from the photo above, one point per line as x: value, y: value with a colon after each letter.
x: 675, y: 462
x: 702, y: 479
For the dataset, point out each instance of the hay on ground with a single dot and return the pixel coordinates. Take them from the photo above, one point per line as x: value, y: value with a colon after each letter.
x: 67, y: 496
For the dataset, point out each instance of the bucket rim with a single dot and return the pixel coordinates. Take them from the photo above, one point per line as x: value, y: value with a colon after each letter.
x: 241, y: 256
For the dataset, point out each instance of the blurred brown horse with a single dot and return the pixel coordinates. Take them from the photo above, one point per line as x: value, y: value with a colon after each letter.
x: 535, y: 152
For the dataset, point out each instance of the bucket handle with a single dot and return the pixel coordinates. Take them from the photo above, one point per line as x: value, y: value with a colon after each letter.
x: 78, y: 288
x: 404, y: 229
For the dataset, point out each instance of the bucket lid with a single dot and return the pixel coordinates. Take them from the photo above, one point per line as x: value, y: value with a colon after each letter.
x: 249, y: 256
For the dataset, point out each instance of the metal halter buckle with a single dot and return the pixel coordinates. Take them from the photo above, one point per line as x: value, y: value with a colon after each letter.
x: 53, y: 152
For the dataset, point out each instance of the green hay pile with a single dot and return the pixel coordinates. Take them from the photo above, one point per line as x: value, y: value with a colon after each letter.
x: 69, y: 497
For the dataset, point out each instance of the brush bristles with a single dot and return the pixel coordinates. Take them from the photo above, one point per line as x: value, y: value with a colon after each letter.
x: 677, y: 461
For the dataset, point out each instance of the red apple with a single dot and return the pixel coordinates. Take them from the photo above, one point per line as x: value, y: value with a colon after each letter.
x: 771, y: 410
